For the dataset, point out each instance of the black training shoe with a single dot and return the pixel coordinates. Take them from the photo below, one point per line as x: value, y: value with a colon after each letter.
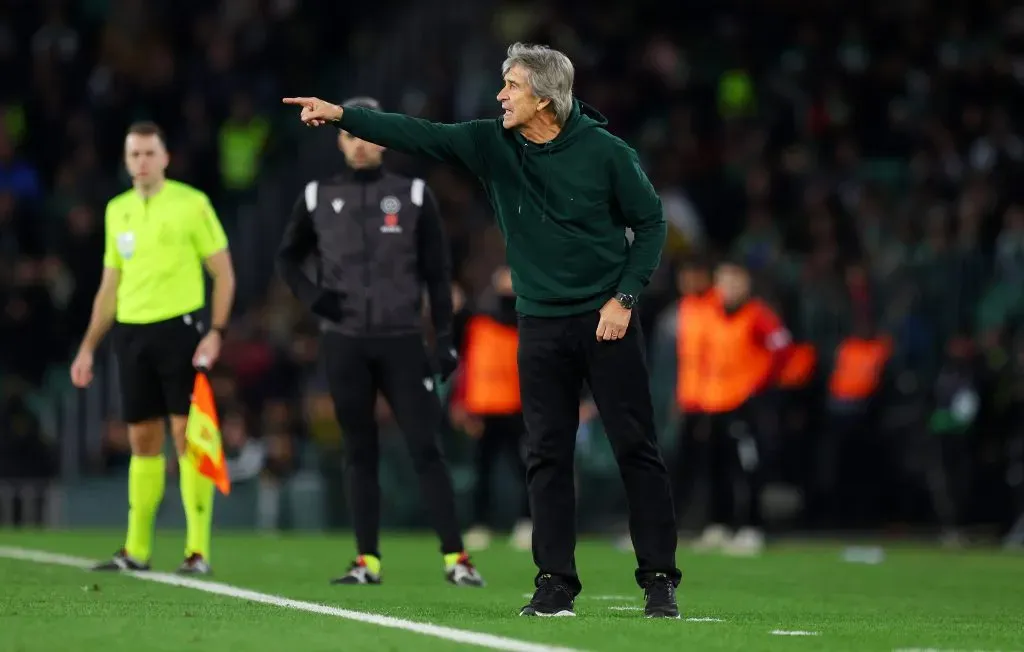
x: 552, y: 598
x: 121, y: 561
x: 464, y: 573
x: 358, y: 573
x: 194, y: 564
x: 660, y: 594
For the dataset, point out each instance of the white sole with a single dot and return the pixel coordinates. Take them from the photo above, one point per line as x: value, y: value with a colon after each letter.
x: 558, y: 614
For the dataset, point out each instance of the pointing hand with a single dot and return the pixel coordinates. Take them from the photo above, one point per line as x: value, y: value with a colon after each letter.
x: 315, y: 112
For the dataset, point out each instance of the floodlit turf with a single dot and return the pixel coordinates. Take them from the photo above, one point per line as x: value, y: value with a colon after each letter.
x: 915, y: 599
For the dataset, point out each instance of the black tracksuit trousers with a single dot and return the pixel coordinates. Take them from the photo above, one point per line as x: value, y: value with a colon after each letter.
x: 359, y: 367
x: 556, y: 356
x: 735, y: 468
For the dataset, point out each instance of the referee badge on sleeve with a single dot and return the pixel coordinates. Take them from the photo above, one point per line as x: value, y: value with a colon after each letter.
x: 126, y: 244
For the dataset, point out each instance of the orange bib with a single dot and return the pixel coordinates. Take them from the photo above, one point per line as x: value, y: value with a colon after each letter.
x: 737, y: 365
x: 859, y: 367
x: 691, y: 323
x: 491, y: 367
x: 799, y: 366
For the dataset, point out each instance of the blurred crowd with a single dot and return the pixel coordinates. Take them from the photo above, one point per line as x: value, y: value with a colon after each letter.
x: 860, y: 159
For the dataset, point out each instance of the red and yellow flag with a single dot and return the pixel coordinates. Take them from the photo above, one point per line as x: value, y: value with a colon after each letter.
x: 202, y: 435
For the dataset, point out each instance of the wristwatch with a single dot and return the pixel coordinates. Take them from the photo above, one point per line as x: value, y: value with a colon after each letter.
x: 627, y: 301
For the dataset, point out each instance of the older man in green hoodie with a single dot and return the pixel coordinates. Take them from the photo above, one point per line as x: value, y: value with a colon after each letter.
x: 565, y: 191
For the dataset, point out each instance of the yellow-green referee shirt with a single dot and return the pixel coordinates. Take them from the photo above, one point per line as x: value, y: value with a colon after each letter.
x: 159, y: 245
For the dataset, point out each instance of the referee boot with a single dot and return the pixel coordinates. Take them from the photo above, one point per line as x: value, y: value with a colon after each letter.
x: 122, y: 561
x: 359, y: 572
x: 463, y: 572
x: 195, y: 564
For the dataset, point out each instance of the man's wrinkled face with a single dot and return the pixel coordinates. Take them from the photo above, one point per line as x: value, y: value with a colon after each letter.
x: 518, y: 102
x: 146, y: 158
x: 359, y: 153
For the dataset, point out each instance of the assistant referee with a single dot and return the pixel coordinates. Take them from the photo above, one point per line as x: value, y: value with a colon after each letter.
x: 159, y: 236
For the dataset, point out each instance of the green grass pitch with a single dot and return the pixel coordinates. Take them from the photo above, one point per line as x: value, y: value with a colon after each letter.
x: 916, y: 599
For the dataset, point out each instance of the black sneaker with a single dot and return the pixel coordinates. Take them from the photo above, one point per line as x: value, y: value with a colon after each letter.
x: 358, y: 573
x: 194, y: 564
x: 464, y: 573
x: 660, y: 595
x: 121, y: 561
x: 552, y: 598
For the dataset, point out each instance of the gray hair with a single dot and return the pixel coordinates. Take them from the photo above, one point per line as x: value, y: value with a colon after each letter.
x: 549, y: 73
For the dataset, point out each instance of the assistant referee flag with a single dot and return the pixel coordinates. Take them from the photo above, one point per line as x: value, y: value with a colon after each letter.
x: 202, y: 435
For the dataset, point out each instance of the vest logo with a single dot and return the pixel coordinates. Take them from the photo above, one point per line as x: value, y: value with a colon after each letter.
x: 337, y: 204
x: 390, y: 207
x: 391, y: 224
x: 126, y: 245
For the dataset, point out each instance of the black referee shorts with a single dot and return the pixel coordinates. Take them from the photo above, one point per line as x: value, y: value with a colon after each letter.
x: 154, y: 363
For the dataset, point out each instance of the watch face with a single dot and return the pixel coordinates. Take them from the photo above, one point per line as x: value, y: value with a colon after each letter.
x: 626, y: 300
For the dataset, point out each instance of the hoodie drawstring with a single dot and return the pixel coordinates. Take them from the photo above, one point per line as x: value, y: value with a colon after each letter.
x: 544, y: 202
x: 522, y: 187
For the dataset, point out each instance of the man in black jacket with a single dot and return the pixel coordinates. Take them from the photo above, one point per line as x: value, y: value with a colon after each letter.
x: 376, y: 240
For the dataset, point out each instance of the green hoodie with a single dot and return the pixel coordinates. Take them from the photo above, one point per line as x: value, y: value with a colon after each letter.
x: 563, y: 206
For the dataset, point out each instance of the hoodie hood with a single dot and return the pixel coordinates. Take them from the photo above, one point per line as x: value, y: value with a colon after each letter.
x: 582, y: 118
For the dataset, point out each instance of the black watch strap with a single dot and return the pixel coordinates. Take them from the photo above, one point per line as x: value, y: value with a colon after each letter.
x: 626, y: 300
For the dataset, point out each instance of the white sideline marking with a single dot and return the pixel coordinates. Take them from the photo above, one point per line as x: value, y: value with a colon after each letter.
x: 784, y: 632
x: 458, y: 635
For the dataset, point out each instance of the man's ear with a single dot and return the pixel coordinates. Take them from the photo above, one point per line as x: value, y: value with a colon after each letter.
x: 543, y: 104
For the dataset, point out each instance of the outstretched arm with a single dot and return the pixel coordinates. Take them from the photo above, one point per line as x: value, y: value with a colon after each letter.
x: 448, y: 143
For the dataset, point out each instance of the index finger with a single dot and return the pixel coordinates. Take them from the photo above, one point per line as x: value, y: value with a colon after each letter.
x: 302, y: 101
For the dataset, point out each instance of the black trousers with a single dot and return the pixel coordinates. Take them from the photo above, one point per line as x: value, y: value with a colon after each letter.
x: 503, y: 434
x: 735, y: 468
x: 398, y: 367
x: 556, y: 356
